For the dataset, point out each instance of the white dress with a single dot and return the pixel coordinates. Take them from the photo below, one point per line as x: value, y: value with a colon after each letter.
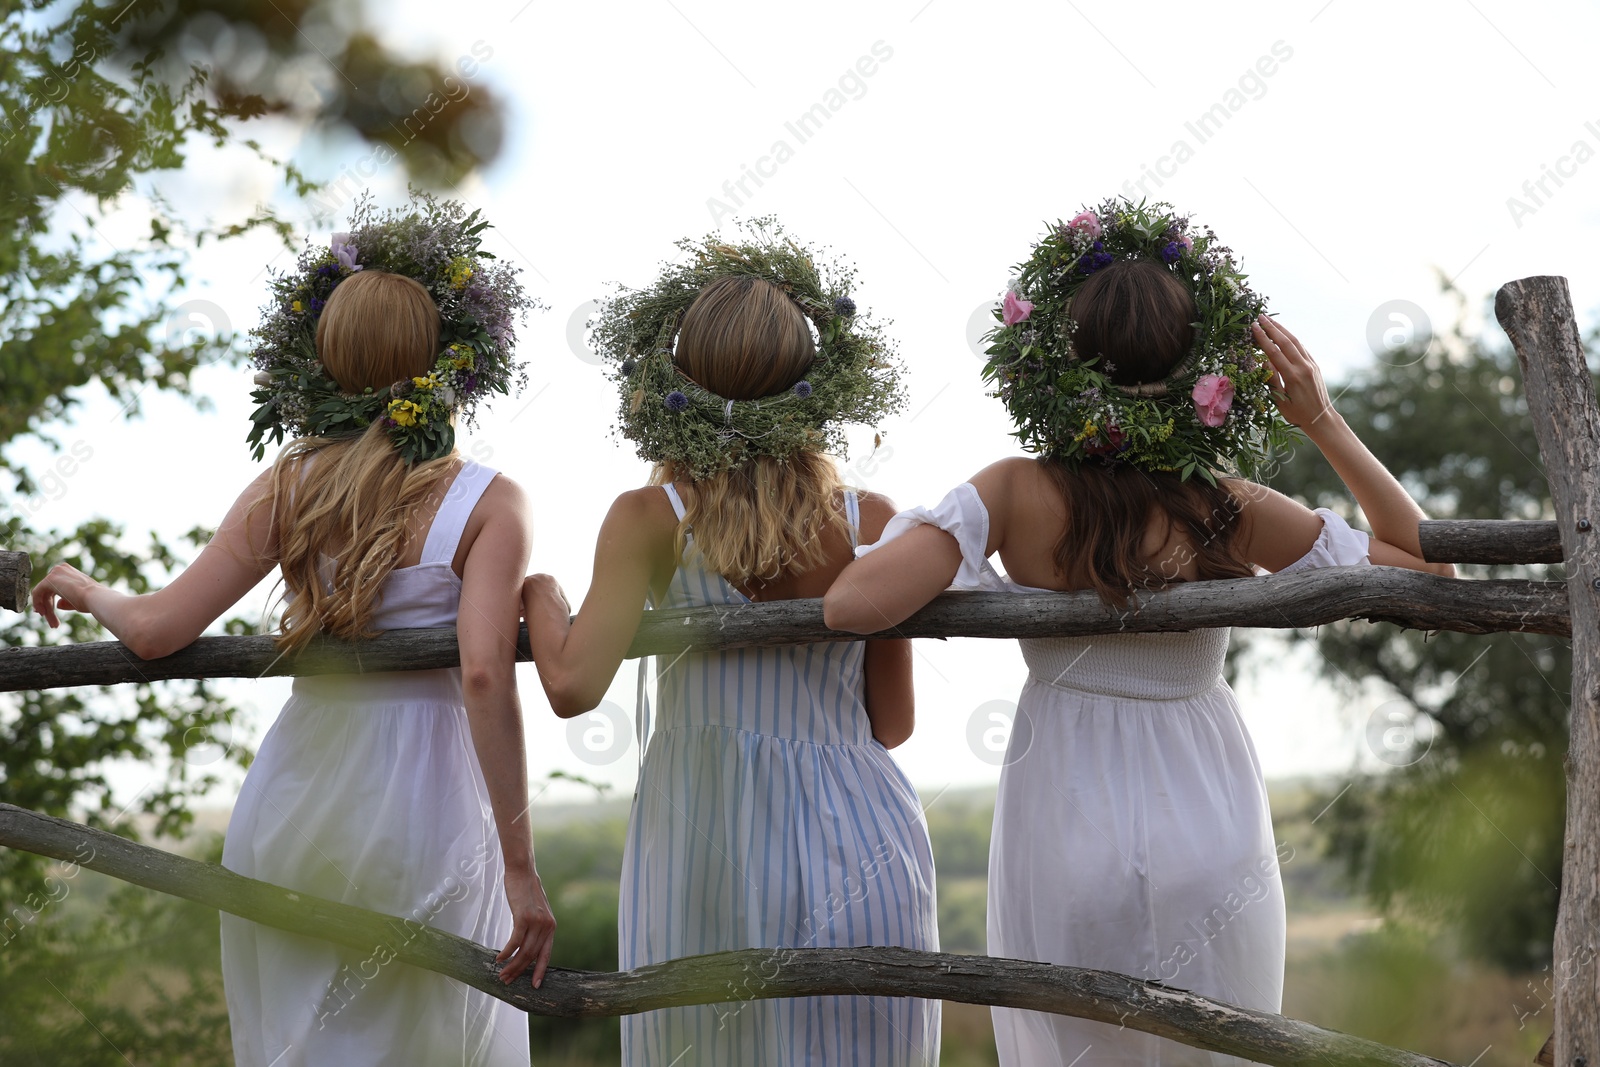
x: 367, y: 790
x: 1131, y: 829
x: 767, y: 816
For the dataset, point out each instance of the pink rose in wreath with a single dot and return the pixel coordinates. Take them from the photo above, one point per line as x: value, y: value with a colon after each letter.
x: 1213, y: 396
x: 1088, y: 222
x: 1014, y: 310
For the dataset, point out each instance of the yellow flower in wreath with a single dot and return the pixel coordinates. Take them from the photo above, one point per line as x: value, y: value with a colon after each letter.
x: 405, y: 412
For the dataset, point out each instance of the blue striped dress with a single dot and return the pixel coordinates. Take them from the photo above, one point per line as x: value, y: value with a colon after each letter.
x: 766, y: 815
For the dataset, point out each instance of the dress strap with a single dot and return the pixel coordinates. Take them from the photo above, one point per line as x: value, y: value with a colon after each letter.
x: 852, y: 514
x: 677, y: 501
x: 444, y: 536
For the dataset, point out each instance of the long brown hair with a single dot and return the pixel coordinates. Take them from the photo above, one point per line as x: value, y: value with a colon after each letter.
x: 354, y: 499
x: 1139, y: 318
x: 744, y: 338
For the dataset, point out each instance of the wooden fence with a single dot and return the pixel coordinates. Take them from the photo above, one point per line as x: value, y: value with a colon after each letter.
x: 1537, y: 315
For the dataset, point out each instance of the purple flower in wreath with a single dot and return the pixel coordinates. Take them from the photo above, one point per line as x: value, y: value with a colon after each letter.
x: 677, y: 402
x: 345, y: 251
x: 1090, y: 262
x: 802, y: 389
x: 316, y: 305
x: 844, y: 307
x: 1171, y: 252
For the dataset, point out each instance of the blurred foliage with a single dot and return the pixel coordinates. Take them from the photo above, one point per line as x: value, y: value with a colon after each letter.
x: 1466, y: 828
x: 99, y: 104
x: 115, y: 974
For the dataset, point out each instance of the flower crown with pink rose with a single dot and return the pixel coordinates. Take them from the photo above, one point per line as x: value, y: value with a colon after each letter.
x: 1212, y: 414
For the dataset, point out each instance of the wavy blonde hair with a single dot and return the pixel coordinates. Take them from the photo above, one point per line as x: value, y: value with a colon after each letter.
x: 355, y: 500
x: 744, y: 338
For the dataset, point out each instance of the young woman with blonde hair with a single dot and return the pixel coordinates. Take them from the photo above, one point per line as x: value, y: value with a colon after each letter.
x: 405, y: 793
x: 768, y: 811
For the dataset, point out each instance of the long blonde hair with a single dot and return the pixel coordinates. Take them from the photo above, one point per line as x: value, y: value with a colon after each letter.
x: 355, y: 500
x: 744, y: 338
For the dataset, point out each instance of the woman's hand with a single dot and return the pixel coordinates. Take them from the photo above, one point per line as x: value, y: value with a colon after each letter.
x: 1297, y: 386
x: 1299, y: 392
x: 533, y: 928
x: 543, y: 591
x: 65, y: 588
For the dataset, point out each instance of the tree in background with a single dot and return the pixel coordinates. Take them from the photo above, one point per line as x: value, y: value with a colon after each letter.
x: 97, y: 105
x: 1463, y: 826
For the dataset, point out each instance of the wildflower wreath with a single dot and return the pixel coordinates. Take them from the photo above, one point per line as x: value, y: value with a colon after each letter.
x: 480, y: 303
x: 1213, y: 414
x: 669, y: 418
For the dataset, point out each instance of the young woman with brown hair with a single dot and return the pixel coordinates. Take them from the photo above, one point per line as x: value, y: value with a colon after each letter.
x: 768, y: 811
x: 1131, y: 830
x: 405, y: 793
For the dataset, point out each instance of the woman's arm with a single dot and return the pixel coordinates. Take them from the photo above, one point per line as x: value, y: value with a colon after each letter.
x: 486, y: 631
x: 891, y: 583
x: 157, y: 624
x: 1302, y: 397
x: 886, y: 666
x: 577, y: 658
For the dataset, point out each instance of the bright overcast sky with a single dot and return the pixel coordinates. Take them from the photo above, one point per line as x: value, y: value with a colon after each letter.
x: 1353, y: 149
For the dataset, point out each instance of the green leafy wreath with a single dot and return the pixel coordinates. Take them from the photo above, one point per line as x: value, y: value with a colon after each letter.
x: 1213, y: 414
x: 480, y: 303
x: 855, y: 377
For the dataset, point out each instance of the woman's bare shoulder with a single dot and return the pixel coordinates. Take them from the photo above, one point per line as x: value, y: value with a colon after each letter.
x: 1007, y: 475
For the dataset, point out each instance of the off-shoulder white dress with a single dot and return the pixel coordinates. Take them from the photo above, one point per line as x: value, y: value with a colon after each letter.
x: 1131, y: 830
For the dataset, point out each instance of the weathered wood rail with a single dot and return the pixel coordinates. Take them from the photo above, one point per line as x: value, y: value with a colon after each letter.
x: 1405, y: 598
x: 750, y: 974
x: 16, y: 579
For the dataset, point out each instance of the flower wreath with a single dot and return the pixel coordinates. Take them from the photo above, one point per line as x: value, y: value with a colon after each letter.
x: 670, y: 418
x: 479, y: 301
x: 1213, y: 413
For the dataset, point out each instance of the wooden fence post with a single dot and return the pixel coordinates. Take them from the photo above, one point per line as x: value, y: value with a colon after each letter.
x: 16, y: 580
x: 1536, y: 314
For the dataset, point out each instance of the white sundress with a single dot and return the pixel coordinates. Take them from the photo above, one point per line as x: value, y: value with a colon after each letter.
x: 367, y: 790
x: 766, y: 815
x: 1131, y: 828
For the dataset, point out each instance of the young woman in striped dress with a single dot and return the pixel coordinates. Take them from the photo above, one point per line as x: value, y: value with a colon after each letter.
x: 768, y: 811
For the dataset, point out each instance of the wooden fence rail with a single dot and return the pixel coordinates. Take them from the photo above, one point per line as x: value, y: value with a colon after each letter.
x: 726, y: 977
x: 1405, y: 598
